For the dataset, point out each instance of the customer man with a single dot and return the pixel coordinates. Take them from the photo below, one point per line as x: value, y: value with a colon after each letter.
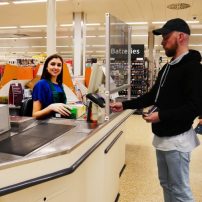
x: 178, y: 96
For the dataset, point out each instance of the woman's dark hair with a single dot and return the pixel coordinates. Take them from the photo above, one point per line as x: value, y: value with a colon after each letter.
x: 46, y: 74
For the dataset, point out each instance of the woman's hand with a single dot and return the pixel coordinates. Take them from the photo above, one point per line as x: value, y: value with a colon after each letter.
x: 61, y: 108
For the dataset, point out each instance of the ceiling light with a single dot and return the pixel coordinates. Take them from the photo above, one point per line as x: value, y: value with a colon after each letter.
x: 37, y: 37
x: 160, y: 22
x: 97, y: 55
x: 11, y: 27
x: 92, y: 24
x: 8, y: 38
x: 21, y: 47
x: 31, y: 26
x: 98, y: 45
x: 163, y: 22
x: 196, y: 34
x: 101, y: 36
x: 5, y: 47
x: 62, y: 37
x: 137, y: 23
x: 195, y: 44
x: 66, y: 55
x: 178, y: 6
x: 139, y: 35
x: 195, y: 21
x: 66, y: 25
x: 62, y: 46
x: 38, y: 46
x: 89, y: 51
x: 90, y: 36
x: 32, y: 1
x: 100, y: 51
x: 34, y: 52
x: 4, y: 3
x: 87, y: 24
x: 66, y: 52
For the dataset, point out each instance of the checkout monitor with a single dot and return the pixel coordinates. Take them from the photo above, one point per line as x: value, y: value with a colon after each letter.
x: 97, y: 78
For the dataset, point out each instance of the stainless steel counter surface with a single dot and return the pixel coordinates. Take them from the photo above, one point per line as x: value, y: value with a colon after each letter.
x: 63, y: 144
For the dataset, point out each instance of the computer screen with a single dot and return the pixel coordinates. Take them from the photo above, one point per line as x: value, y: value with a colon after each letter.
x: 97, y: 78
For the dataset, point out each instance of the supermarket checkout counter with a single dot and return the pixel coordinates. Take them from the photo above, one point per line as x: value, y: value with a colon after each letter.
x: 63, y: 160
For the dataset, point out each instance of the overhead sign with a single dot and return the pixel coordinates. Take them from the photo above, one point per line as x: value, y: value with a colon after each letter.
x: 120, y: 52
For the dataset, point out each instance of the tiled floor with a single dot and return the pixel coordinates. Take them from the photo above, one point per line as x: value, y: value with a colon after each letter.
x: 139, y: 181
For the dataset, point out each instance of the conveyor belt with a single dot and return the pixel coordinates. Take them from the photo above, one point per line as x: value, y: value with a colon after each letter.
x: 27, y: 141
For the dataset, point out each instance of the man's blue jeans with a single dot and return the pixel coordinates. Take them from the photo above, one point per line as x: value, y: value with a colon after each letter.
x: 173, y: 171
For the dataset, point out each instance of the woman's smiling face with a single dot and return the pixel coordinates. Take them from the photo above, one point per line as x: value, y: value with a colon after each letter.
x: 54, y: 67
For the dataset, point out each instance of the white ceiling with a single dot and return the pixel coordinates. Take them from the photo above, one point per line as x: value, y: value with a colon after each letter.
x: 126, y: 10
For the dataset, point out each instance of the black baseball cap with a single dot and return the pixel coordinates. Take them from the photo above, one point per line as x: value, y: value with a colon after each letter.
x: 176, y: 24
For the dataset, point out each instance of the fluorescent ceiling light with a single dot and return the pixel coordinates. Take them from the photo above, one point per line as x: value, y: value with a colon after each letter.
x: 37, y: 37
x: 97, y: 55
x: 31, y: 26
x: 89, y: 51
x: 139, y: 35
x: 98, y: 45
x: 66, y: 25
x: 66, y: 55
x: 195, y: 44
x: 101, y: 36
x: 195, y: 21
x: 10, y: 27
x: 87, y: 24
x: 100, y: 51
x: 21, y: 46
x: 8, y: 38
x: 163, y: 22
x: 90, y: 36
x: 5, y: 47
x: 66, y: 52
x: 61, y: 46
x: 38, y: 46
x: 32, y: 1
x: 62, y: 37
x: 4, y: 3
x: 92, y: 24
x: 34, y: 52
x: 137, y: 23
x: 196, y: 34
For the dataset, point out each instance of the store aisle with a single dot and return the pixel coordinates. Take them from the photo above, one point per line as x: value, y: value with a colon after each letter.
x: 139, y: 181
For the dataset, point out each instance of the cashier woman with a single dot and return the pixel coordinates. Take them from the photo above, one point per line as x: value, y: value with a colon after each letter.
x: 48, y: 93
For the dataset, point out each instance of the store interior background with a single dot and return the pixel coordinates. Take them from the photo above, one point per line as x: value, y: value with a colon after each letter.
x: 23, y: 42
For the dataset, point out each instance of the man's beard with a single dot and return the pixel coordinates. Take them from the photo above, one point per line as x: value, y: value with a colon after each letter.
x: 172, y: 51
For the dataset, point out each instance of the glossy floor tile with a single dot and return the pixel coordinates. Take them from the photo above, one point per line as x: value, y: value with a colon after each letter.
x: 139, y: 181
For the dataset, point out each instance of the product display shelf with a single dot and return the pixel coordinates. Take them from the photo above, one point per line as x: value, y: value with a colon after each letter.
x: 139, y: 78
x: 119, y: 72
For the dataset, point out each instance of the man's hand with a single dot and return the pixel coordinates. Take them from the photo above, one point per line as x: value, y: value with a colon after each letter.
x: 200, y: 121
x: 116, y: 107
x: 152, y: 118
